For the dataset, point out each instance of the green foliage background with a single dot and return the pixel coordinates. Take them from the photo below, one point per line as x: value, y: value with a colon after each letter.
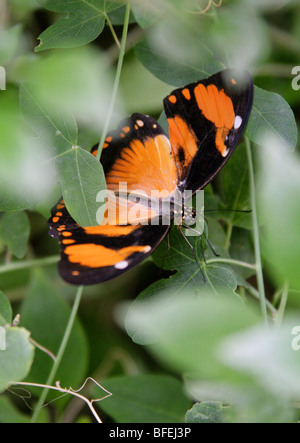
x: 167, y: 346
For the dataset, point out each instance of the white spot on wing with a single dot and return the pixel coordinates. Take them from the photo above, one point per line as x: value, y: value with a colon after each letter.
x: 122, y: 265
x: 238, y: 122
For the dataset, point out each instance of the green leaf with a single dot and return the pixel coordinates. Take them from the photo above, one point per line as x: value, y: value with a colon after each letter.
x: 16, y: 360
x: 176, y: 254
x: 15, y: 231
x: 72, y: 31
x: 177, y: 72
x: 84, y: 22
x: 46, y: 314
x: 82, y: 178
x: 145, y: 399
x: 57, y: 129
x: 271, y: 356
x: 271, y: 117
x: 205, y: 412
x: 185, y: 331
x: 5, y: 310
x: 278, y: 197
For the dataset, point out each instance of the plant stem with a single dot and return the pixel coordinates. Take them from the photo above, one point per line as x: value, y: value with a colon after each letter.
x: 228, y: 236
x: 231, y: 262
x: 112, y: 31
x: 254, y: 292
x: 117, y: 80
x: 259, y: 271
x: 15, y: 266
x: 59, y: 354
x: 71, y: 391
x: 282, y: 306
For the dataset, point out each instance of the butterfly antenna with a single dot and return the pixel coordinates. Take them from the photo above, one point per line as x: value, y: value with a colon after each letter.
x: 242, y: 211
x: 210, y: 245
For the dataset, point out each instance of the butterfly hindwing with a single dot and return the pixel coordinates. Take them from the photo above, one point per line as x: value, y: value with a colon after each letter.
x: 60, y: 220
x: 100, y: 253
x: 206, y: 122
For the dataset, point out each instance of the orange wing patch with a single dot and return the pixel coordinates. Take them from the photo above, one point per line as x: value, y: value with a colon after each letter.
x: 183, y: 141
x: 96, y: 256
x: 110, y: 231
x: 217, y: 107
x: 186, y: 93
x: 144, y: 166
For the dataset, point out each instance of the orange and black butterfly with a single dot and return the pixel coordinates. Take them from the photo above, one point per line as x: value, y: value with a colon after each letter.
x: 206, y: 121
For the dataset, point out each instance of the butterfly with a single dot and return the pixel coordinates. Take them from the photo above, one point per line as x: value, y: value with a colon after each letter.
x: 206, y: 120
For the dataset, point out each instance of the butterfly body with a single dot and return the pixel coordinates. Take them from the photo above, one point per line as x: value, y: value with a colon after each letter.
x: 148, y: 174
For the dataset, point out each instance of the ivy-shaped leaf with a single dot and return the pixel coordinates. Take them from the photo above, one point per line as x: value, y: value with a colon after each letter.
x: 82, y: 178
x: 84, y: 21
x: 175, y: 254
x: 58, y: 130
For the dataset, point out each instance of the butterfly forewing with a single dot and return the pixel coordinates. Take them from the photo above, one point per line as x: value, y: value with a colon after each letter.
x: 206, y: 122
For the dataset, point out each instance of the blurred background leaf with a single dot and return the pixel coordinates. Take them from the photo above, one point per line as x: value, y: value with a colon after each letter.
x: 14, y: 232
x: 145, y: 399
